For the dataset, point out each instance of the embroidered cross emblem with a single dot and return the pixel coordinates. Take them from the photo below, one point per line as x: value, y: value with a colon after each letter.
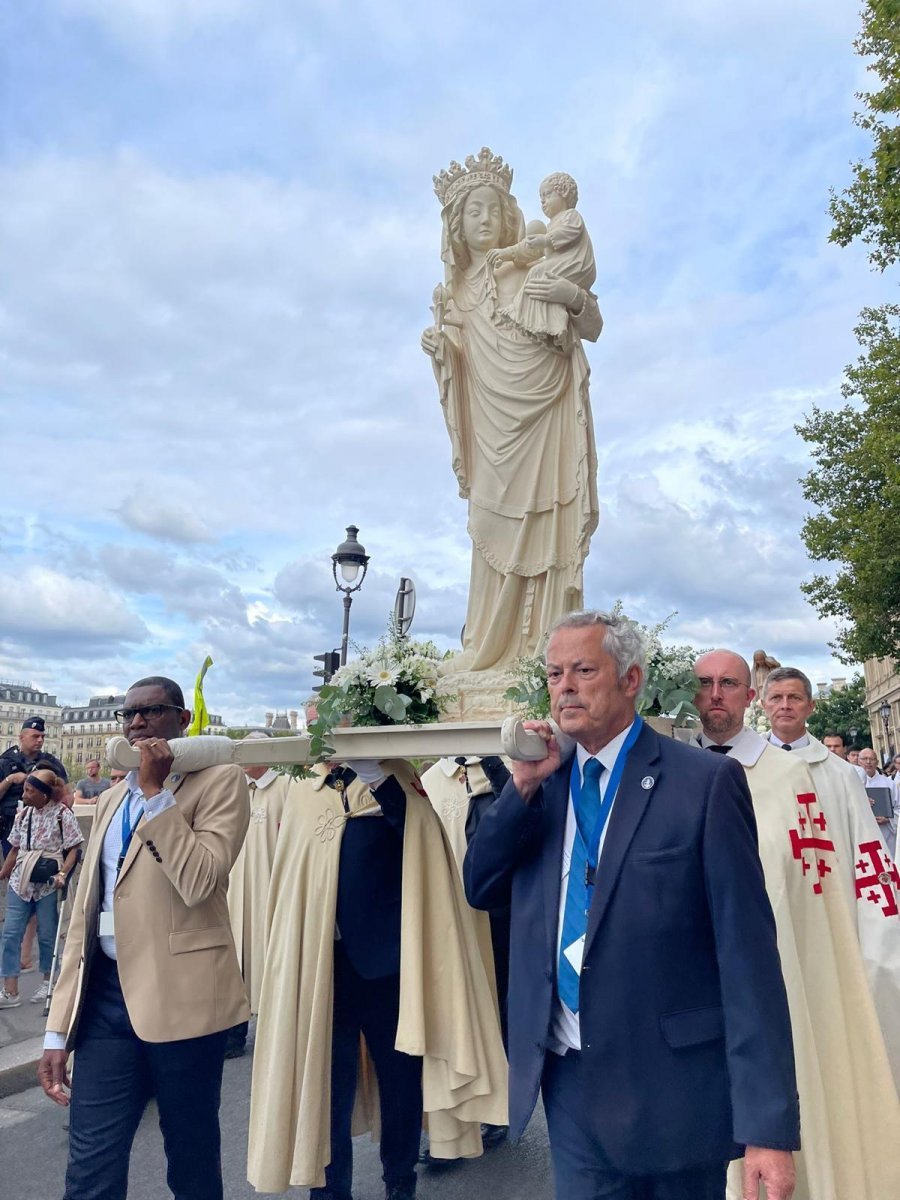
x: 877, y: 878
x: 454, y: 806
x: 327, y: 826
x: 806, y: 841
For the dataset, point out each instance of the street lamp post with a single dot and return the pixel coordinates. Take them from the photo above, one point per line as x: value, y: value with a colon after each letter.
x: 885, y: 713
x: 350, y: 557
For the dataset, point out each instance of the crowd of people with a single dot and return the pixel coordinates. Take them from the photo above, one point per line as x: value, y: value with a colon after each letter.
x: 690, y: 952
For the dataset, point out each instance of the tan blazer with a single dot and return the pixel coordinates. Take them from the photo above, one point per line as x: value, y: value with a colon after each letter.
x: 177, y: 964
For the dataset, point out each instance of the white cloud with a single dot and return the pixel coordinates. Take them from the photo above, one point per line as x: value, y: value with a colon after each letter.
x: 220, y: 246
x: 40, y: 607
x: 145, y: 512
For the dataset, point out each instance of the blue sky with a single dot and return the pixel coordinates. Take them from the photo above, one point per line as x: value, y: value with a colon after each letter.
x: 220, y: 242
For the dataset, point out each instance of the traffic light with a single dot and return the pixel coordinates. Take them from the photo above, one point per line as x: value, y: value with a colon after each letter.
x: 331, y: 661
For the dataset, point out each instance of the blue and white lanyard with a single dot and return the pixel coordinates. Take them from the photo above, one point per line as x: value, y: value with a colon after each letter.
x: 128, y: 828
x: 592, y: 847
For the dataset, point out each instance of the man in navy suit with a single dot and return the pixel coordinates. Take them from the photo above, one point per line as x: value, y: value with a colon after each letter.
x: 646, y: 1000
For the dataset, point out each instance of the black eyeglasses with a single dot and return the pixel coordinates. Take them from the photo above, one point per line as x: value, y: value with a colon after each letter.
x: 149, y: 712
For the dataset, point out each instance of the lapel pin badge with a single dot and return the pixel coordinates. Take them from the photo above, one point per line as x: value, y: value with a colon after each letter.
x: 647, y: 782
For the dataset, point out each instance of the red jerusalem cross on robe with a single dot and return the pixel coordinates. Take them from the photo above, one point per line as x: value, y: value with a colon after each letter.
x: 877, y: 879
x: 810, y: 839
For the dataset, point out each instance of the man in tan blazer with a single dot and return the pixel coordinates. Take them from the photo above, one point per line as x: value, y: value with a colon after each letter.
x: 150, y: 980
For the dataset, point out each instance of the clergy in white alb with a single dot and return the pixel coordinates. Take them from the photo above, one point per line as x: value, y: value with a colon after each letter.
x: 452, y: 784
x: 248, y: 883
x: 867, y: 875
x: 850, y: 1122
x: 873, y: 778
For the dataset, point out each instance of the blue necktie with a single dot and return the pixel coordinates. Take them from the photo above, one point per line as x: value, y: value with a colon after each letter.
x: 575, y: 915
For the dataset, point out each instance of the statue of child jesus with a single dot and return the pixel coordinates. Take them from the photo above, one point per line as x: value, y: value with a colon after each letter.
x: 564, y: 251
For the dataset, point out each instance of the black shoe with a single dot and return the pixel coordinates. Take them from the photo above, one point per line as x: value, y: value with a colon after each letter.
x: 235, y: 1049
x: 425, y: 1159
x: 493, y: 1135
x: 400, y: 1191
x: 324, y: 1194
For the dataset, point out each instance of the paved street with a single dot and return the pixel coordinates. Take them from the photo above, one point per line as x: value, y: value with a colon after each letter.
x: 31, y: 1132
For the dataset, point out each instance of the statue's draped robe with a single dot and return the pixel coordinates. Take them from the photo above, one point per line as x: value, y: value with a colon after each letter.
x: 849, y: 1117
x: 518, y: 413
x: 447, y: 1012
x: 248, y: 883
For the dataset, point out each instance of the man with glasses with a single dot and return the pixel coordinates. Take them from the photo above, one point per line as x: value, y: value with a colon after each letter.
x: 150, y: 981
x: 873, y: 778
x: 848, y: 1104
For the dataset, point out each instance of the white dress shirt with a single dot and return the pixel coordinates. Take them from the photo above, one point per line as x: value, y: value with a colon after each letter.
x: 803, y: 740
x: 565, y: 1028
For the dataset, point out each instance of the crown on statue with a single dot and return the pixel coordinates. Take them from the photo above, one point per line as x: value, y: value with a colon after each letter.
x: 486, y: 168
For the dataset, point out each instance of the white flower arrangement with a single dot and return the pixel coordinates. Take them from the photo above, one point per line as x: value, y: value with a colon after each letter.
x: 394, y: 684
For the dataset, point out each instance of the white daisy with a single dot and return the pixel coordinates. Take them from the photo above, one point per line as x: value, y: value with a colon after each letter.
x: 382, y: 672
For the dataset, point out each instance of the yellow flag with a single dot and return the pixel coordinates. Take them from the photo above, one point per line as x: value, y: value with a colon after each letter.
x: 200, y: 719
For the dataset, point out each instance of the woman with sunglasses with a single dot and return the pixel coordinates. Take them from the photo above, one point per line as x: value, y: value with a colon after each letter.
x: 44, y: 828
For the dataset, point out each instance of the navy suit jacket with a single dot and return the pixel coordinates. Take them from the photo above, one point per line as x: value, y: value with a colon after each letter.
x: 684, y: 1020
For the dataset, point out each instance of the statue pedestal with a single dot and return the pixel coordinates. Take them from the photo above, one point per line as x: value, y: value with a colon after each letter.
x: 477, y: 696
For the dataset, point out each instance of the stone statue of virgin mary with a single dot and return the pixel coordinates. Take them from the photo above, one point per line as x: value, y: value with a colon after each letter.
x: 519, y: 417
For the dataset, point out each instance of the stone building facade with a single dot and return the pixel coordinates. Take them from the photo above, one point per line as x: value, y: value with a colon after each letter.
x: 18, y: 701
x: 883, y: 686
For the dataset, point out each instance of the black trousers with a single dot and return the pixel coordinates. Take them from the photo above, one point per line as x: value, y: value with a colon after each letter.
x: 371, y: 1006
x: 114, y: 1076
x: 581, y: 1170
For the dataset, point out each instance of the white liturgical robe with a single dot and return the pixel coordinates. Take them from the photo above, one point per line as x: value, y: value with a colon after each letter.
x: 248, y: 883
x: 869, y: 881
x: 849, y: 1117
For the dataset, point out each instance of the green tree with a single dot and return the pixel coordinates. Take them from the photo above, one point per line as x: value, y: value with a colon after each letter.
x: 855, y: 483
x: 842, y: 711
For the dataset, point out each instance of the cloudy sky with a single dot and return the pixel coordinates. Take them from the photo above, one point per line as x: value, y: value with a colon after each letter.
x: 219, y: 245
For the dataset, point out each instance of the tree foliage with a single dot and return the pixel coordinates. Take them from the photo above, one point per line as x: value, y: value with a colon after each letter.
x: 855, y: 484
x: 842, y: 711
x: 870, y: 208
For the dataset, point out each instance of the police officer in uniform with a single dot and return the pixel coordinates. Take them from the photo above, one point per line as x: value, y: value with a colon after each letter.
x: 18, y: 762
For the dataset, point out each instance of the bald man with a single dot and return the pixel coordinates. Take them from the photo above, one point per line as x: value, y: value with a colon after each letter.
x: 873, y: 778
x: 848, y: 1104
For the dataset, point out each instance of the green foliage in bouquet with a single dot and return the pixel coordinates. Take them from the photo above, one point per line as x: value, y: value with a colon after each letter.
x: 669, y: 686
x: 529, y: 691
x: 394, y: 684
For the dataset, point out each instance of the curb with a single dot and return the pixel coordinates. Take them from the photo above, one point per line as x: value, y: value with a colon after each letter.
x: 18, y: 1066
